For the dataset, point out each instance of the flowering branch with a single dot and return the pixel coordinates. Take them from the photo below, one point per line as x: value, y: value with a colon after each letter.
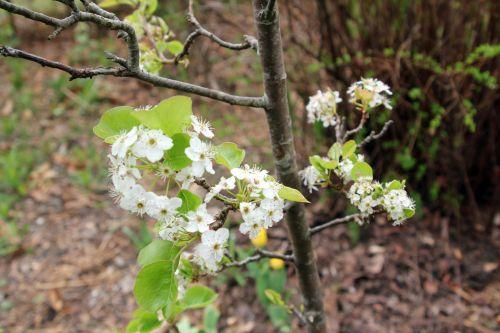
x: 97, y: 15
x: 250, y: 41
x: 375, y: 136
x: 362, y: 121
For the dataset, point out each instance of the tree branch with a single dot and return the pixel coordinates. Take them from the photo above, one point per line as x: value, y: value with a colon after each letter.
x: 375, y: 136
x: 250, y: 42
x: 334, y: 222
x: 74, y: 72
x: 130, y: 67
x: 362, y: 121
x: 256, y: 257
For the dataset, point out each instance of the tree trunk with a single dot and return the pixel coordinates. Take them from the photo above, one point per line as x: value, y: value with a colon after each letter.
x: 278, y: 117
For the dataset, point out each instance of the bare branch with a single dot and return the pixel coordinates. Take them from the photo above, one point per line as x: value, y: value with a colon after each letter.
x: 130, y: 66
x: 256, y: 257
x: 221, y: 217
x: 375, y: 136
x: 335, y: 222
x: 362, y: 122
x: 74, y: 72
x: 250, y: 42
x: 299, y: 315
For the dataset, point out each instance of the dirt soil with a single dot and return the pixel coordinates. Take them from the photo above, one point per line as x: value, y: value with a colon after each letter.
x: 75, y: 268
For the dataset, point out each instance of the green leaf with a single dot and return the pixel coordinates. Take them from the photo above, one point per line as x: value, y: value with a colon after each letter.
x: 348, y: 149
x: 175, y: 157
x: 190, y: 201
x: 361, y: 170
x: 275, y: 297
x: 198, y: 296
x: 291, y: 194
x: 172, y: 115
x: 409, y: 213
x: 210, y: 318
x: 229, y: 155
x: 158, y: 250
x: 114, y: 3
x: 156, y: 286
x: 175, y: 47
x: 321, y: 164
x: 395, y: 185
x: 114, y: 121
x: 335, y: 152
x: 143, y: 322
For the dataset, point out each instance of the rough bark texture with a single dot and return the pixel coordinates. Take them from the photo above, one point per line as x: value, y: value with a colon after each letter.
x: 278, y: 116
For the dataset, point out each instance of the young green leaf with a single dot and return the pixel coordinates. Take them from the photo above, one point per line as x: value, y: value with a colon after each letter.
x: 198, y: 296
x: 175, y: 47
x: 190, y: 201
x: 229, y: 155
x: 291, y: 194
x: 361, y: 170
x: 176, y: 158
x: 335, y: 151
x: 409, y: 213
x: 395, y: 185
x: 114, y: 121
x: 348, y: 149
x: 321, y: 164
x: 156, y: 286
x: 158, y: 250
x: 143, y: 322
x: 172, y: 115
x: 274, y: 297
x: 210, y: 318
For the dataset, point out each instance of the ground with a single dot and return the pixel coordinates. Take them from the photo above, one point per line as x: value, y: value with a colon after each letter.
x: 74, y: 259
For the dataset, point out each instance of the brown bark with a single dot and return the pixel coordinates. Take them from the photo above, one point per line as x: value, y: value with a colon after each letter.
x: 278, y: 117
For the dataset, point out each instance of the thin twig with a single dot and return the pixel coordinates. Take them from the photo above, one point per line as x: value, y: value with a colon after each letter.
x: 250, y: 42
x: 362, y: 121
x: 130, y: 66
x: 299, y: 315
x: 374, y: 135
x: 256, y: 257
x: 334, y: 222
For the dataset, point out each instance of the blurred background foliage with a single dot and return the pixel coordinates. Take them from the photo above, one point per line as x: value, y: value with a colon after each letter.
x: 441, y: 59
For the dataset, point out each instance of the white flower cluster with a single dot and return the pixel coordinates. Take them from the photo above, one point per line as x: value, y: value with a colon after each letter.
x: 323, y: 107
x: 370, y: 92
x: 261, y: 206
x: 311, y: 178
x: 343, y: 170
x: 149, y: 146
x: 369, y: 195
x: 395, y: 203
x: 250, y: 189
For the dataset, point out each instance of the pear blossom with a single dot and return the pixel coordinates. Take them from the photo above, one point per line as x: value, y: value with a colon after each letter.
x: 396, y: 202
x: 253, y: 225
x: 162, y: 208
x: 311, y: 178
x: 215, y: 241
x: 272, y: 211
x: 135, y: 200
x: 370, y: 91
x: 152, y: 144
x: 202, y: 127
x: 323, y: 107
x: 124, y: 141
x: 201, y: 153
x: 199, y: 220
x: 223, y: 184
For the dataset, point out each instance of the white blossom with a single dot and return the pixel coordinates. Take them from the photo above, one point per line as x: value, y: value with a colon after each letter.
x: 252, y: 225
x: 395, y: 202
x: 323, y: 107
x: 224, y: 184
x: 124, y: 141
x: 311, y: 178
x: 199, y: 220
x: 372, y: 92
x: 361, y: 195
x: 211, y: 249
x: 152, y: 144
x: 201, y: 153
x: 134, y: 200
x: 162, y: 208
x: 202, y: 127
